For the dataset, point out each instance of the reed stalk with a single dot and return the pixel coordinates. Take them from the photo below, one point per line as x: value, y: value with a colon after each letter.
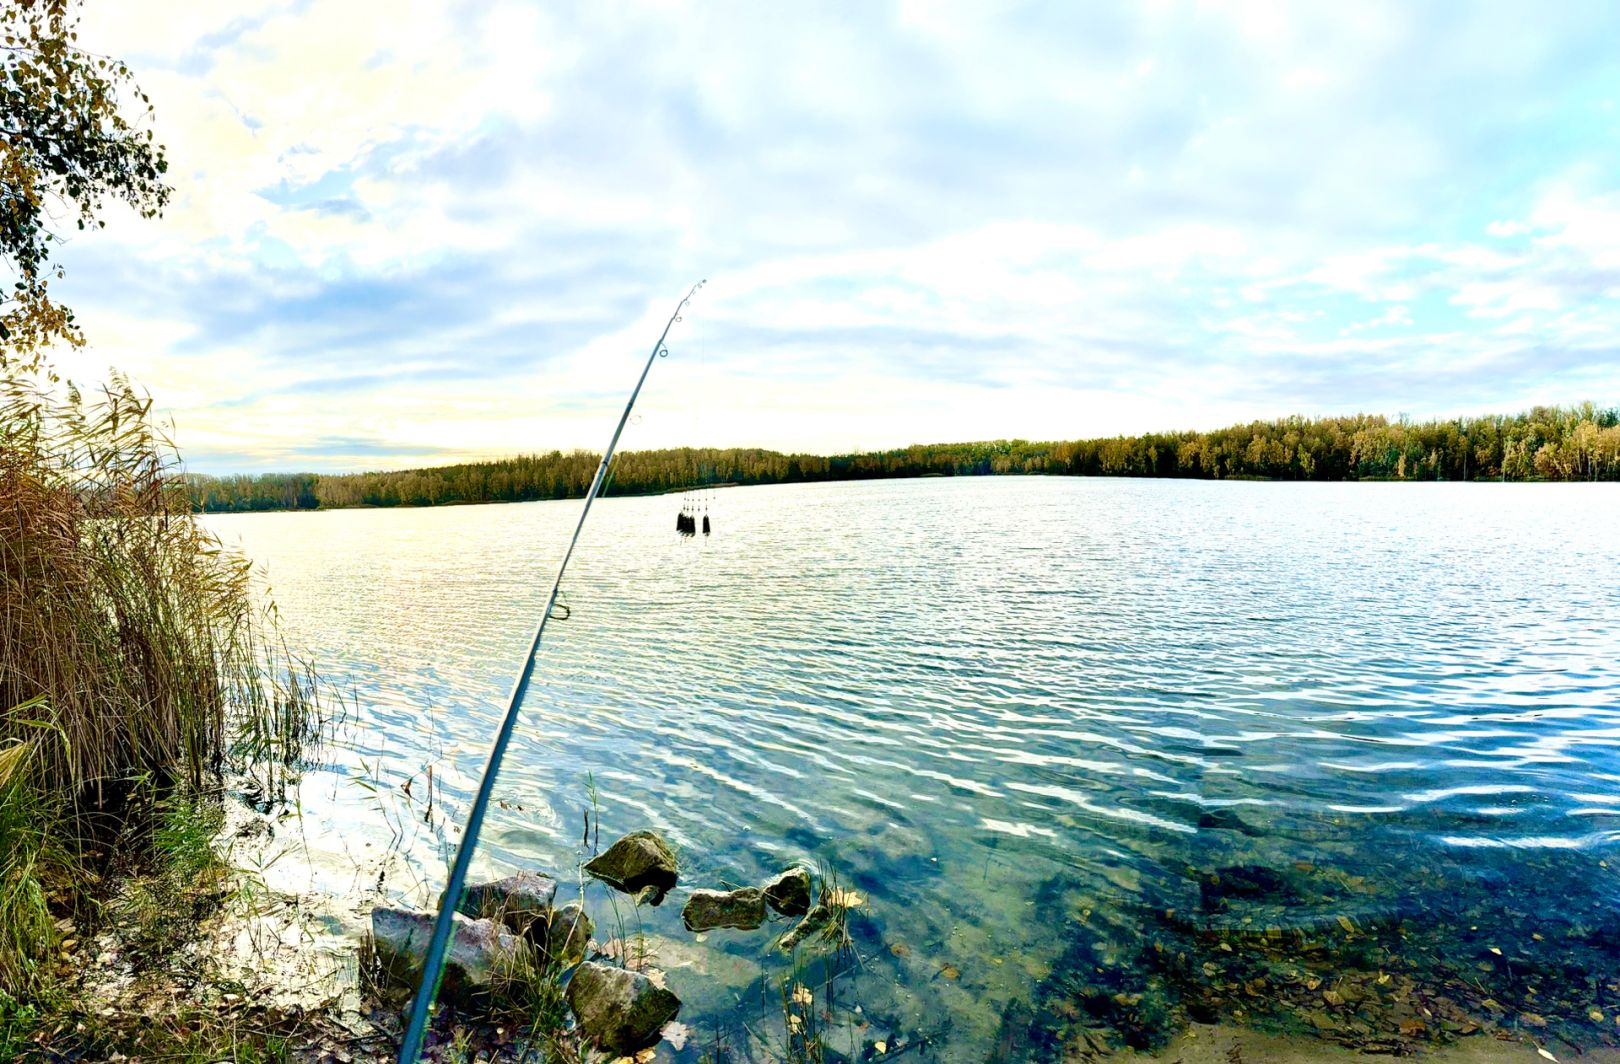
x: 136, y: 670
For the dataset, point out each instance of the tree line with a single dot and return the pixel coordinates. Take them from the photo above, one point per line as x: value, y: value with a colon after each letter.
x: 1545, y: 443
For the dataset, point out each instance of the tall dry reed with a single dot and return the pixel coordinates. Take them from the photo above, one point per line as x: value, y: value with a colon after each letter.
x: 134, y: 663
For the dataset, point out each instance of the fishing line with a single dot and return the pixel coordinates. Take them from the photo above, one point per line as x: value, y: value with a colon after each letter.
x: 433, y: 964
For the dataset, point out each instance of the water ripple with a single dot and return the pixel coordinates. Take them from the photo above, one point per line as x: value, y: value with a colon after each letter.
x: 955, y: 690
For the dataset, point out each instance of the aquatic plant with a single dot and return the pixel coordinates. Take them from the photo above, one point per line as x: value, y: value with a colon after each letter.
x: 801, y: 1022
x: 135, y: 667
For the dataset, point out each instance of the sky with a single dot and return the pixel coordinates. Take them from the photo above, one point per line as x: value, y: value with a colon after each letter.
x: 407, y: 234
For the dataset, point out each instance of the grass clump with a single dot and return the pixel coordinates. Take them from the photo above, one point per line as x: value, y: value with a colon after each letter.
x: 136, y: 672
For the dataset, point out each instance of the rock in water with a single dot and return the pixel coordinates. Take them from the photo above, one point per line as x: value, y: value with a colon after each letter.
x: 813, y: 921
x: 568, y: 934
x: 620, y: 1010
x: 1249, y: 882
x: 789, y: 893
x: 478, y: 948
x: 1228, y: 820
x: 707, y: 909
x: 639, y: 861
x: 517, y: 901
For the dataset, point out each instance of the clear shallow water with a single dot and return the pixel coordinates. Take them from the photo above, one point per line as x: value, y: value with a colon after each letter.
x: 1045, y: 725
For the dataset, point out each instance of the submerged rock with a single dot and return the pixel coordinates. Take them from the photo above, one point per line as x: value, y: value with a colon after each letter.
x: 517, y: 900
x: 620, y: 1010
x: 891, y: 853
x: 1228, y: 820
x: 813, y: 921
x: 641, y: 861
x: 1250, y: 882
x: 567, y: 935
x: 789, y: 893
x: 707, y: 909
x: 478, y: 948
x: 1095, y: 987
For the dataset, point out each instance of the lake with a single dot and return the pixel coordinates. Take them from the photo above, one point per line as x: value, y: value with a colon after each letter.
x: 1100, y: 756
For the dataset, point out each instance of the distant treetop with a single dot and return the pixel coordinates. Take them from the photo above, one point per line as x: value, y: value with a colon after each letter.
x: 1546, y: 443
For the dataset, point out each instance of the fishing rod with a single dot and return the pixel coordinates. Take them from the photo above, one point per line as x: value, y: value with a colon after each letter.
x: 433, y: 964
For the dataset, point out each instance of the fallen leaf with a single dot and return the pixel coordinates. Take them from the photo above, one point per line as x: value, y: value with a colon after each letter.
x: 881, y: 1047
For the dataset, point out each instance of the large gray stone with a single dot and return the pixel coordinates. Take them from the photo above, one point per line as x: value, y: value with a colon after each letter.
x: 789, y: 893
x: 708, y: 909
x: 517, y: 901
x: 568, y: 935
x: 478, y: 948
x: 620, y: 1010
x: 641, y: 861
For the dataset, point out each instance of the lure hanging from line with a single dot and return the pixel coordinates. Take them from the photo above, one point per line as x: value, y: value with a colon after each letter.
x: 433, y: 964
x: 685, y: 522
x: 693, y: 503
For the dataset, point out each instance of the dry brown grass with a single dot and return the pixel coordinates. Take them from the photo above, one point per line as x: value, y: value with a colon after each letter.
x: 134, y: 665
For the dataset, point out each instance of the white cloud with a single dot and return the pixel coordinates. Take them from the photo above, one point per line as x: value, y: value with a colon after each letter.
x: 1587, y: 227
x: 458, y: 225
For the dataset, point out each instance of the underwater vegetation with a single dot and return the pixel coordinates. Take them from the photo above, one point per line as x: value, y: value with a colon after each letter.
x: 1307, y: 949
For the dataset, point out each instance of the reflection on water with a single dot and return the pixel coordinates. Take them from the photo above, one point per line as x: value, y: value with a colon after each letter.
x: 1104, y: 756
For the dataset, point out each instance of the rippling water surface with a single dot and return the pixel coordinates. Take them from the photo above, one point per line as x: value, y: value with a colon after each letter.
x: 1031, y: 720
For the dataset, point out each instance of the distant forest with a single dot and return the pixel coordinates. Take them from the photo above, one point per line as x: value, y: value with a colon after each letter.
x: 1547, y: 443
